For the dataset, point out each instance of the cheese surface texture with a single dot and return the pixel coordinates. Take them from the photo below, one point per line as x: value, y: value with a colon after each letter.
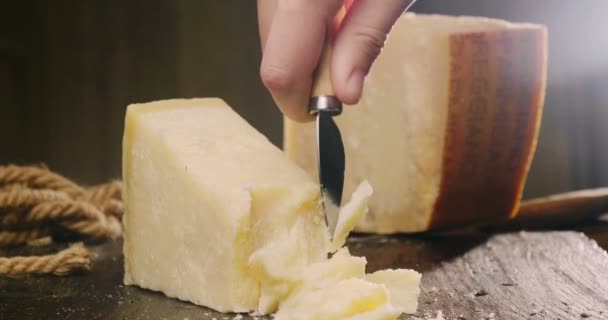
x: 447, y: 124
x: 218, y: 216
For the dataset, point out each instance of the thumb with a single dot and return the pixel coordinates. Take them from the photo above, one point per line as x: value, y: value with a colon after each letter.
x: 360, y: 39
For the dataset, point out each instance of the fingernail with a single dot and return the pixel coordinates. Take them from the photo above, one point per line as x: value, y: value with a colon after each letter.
x: 354, y: 85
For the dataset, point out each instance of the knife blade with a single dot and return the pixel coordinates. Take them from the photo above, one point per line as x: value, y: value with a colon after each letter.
x: 330, y: 153
x: 330, y: 149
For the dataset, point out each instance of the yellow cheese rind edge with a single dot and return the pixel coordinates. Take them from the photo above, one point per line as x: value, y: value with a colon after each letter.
x: 539, y: 117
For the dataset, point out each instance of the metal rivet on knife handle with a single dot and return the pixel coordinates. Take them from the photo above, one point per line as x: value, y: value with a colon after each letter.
x: 328, y: 104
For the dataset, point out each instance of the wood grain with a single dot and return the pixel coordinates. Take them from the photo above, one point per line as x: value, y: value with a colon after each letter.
x: 560, y: 275
x: 523, y: 275
x: 529, y: 275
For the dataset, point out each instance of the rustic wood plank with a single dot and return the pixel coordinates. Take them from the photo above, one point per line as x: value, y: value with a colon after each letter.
x: 560, y: 275
x: 530, y: 275
x: 527, y: 275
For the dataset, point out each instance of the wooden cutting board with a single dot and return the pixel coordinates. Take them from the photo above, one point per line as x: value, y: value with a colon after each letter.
x: 517, y: 275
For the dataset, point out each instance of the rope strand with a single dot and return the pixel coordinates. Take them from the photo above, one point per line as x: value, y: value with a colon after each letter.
x: 37, y: 204
x: 70, y: 260
x: 38, y: 178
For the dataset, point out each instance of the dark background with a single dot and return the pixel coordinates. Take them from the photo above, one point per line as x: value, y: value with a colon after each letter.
x: 68, y: 69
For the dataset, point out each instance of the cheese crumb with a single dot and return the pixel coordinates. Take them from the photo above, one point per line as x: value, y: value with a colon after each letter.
x: 338, y: 287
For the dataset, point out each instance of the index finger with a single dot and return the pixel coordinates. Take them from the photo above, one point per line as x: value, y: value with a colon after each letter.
x: 292, y: 49
x: 266, y: 9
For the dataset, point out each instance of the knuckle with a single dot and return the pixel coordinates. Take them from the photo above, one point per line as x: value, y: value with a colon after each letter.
x: 276, y: 78
x: 371, y: 39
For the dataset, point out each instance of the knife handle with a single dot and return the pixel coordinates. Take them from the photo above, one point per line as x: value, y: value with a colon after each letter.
x: 558, y: 210
x: 573, y: 206
x: 323, y: 97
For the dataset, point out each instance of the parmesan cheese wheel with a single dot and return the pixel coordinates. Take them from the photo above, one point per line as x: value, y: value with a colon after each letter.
x: 447, y: 125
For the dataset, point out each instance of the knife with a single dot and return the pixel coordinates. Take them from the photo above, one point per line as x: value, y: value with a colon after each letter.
x: 324, y: 105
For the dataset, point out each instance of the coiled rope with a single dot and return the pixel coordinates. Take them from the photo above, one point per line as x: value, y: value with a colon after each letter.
x: 38, y: 206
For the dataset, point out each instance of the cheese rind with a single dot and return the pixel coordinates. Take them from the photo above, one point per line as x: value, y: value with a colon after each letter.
x: 447, y: 124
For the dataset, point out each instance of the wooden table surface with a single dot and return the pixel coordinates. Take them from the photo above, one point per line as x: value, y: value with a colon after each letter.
x: 547, y: 274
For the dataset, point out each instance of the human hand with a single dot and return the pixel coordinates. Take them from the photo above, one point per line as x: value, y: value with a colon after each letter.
x: 293, y: 32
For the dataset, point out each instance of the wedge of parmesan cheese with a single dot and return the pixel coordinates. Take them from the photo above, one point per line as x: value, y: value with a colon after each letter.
x: 218, y: 216
x: 447, y: 125
x: 203, y: 191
